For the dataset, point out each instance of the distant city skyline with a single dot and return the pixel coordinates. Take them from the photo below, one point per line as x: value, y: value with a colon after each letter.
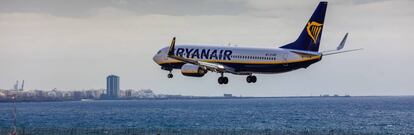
x: 75, y: 44
x: 76, y: 95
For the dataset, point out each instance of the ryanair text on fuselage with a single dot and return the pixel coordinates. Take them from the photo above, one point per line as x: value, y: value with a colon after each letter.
x: 213, y: 54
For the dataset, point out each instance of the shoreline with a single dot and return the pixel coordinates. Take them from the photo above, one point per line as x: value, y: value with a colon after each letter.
x: 175, y: 98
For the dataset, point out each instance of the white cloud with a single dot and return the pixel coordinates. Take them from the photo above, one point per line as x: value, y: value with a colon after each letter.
x: 52, y: 50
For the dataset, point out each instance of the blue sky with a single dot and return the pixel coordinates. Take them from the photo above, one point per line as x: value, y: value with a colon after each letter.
x: 75, y: 44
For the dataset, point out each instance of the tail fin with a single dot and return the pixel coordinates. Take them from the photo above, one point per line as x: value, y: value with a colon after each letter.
x: 311, y: 35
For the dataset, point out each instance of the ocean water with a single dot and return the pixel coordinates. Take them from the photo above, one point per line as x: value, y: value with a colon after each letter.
x: 383, y: 115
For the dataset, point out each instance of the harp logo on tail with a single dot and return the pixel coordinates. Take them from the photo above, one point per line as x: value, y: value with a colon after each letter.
x: 314, y: 29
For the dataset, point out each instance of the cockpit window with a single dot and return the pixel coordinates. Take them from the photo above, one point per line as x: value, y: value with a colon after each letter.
x: 159, y: 52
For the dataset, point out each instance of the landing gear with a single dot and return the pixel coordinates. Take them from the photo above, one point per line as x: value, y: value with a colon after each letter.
x: 251, y: 79
x: 170, y: 75
x: 223, y: 80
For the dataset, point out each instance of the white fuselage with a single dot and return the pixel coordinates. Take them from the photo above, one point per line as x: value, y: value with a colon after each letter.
x: 242, y: 59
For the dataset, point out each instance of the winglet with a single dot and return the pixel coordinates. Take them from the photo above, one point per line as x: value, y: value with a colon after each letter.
x: 342, y: 44
x: 172, y: 48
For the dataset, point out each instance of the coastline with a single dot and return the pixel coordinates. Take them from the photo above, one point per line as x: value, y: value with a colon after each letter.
x: 176, y: 98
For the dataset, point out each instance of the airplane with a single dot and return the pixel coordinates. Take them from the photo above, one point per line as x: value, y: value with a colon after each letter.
x: 197, y: 60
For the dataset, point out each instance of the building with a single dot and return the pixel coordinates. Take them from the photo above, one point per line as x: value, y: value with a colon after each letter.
x: 2, y: 94
x: 93, y: 94
x: 112, y: 86
x: 77, y: 95
x: 228, y: 95
x: 128, y: 93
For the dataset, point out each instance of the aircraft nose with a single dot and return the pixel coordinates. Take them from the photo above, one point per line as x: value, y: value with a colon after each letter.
x: 157, y: 58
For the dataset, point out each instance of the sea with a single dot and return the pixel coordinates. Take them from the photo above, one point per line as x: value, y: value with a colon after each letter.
x: 325, y: 115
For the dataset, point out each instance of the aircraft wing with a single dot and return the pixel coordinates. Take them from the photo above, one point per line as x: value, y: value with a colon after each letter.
x: 214, y: 67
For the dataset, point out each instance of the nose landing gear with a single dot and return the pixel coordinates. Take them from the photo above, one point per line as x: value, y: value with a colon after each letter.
x: 170, y: 75
x: 169, y: 69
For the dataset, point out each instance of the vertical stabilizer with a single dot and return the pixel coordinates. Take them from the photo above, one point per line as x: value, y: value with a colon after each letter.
x: 310, y: 37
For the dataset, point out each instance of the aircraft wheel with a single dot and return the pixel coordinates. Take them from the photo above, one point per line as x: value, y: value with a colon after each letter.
x: 220, y: 80
x: 170, y: 75
x: 223, y: 80
x: 253, y: 79
x: 249, y: 79
x: 226, y: 80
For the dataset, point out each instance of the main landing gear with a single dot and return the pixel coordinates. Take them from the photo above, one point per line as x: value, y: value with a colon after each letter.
x: 251, y: 79
x: 223, y: 80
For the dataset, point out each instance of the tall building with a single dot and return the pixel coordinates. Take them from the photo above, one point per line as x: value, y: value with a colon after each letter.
x: 112, y: 86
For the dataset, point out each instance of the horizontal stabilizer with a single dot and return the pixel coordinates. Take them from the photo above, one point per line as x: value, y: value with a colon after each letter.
x: 337, y: 52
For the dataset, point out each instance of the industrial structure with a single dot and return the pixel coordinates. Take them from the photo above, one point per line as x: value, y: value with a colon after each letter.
x: 16, y: 86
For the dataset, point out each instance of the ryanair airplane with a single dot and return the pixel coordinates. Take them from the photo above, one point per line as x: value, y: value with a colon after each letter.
x: 197, y: 60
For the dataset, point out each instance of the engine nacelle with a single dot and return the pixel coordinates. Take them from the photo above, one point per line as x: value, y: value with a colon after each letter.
x: 192, y: 70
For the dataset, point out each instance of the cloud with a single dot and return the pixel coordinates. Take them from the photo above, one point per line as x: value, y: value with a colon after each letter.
x: 81, y: 8
x: 63, y: 48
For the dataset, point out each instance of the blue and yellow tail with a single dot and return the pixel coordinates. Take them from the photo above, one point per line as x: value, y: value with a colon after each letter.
x: 311, y: 35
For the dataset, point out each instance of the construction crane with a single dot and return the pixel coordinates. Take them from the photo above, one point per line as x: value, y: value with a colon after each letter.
x: 21, y: 89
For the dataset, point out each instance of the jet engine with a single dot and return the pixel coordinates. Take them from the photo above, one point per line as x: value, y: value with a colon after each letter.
x: 193, y: 70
